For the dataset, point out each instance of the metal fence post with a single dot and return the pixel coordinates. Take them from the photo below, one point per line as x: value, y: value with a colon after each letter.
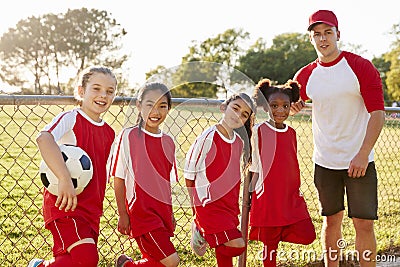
x: 245, y: 216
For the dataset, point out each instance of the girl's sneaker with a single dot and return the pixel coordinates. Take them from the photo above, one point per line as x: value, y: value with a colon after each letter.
x: 197, y: 242
x: 35, y: 262
x: 121, y: 260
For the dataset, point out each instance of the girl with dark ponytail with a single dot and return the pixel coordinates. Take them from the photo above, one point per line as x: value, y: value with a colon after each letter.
x: 278, y: 211
x: 213, y: 177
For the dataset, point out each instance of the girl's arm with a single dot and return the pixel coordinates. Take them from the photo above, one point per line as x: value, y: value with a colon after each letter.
x: 124, y: 226
x: 253, y: 181
x: 51, y: 154
x: 190, y: 187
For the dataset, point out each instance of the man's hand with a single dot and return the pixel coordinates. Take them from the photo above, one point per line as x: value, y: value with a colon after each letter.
x: 296, y: 107
x: 358, y: 166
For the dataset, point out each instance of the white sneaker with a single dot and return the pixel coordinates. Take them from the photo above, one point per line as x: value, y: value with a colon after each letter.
x: 35, y: 262
x: 197, y: 242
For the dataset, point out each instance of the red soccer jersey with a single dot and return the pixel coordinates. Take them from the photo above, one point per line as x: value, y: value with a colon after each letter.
x: 96, y: 138
x: 213, y: 162
x: 277, y: 200
x: 146, y: 162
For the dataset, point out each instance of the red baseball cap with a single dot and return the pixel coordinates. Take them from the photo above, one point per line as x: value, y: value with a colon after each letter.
x: 322, y: 16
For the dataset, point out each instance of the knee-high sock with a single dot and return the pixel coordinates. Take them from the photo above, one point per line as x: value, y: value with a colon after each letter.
x: 58, y: 261
x: 224, y: 255
x: 83, y: 255
x: 269, y: 255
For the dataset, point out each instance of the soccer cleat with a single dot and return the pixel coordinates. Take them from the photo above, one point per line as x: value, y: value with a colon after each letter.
x: 35, y: 262
x: 197, y: 242
x: 121, y: 260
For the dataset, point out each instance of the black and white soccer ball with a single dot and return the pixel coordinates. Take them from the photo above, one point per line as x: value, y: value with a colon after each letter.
x: 79, y: 165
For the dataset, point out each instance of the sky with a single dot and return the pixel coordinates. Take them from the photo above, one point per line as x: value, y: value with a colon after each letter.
x: 160, y: 32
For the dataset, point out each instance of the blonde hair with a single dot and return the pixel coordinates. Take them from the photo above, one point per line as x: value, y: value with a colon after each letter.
x: 85, y: 77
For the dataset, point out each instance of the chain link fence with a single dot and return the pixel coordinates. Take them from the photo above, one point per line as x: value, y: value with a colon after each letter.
x: 22, y: 233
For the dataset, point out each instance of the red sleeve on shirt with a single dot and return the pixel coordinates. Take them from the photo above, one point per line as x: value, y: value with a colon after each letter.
x: 302, y: 77
x: 369, y: 80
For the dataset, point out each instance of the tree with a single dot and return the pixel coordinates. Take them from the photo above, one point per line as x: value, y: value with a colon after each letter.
x: 224, y: 48
x: 288, y: 53
x: 19, y: 47
x: 221, y: 52
x: 189, y: 80
x: 393, y: 75
x: 45, y: 48
x: 383, y: 67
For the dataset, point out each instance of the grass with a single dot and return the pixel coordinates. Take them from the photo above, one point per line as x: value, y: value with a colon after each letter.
x: 23, y: 237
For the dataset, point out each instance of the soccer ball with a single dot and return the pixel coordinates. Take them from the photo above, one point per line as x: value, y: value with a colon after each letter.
x: 78, y: 164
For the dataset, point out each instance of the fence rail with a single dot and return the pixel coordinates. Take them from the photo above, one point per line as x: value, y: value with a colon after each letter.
x: 22, y: 235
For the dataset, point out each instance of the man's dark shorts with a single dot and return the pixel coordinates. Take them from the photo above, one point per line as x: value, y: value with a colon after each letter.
x: 362, y: 195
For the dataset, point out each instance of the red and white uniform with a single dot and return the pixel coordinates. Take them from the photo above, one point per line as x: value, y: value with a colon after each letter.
x: 343, y: 93
x: 76, y: 128
x: 146, y: 162
x: 276, y: 200
x: 213, y: 163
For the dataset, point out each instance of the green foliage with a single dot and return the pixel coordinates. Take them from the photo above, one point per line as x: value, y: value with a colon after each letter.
x: 383, y: 67
x: 393, y: 75
x: 390, y: 63
x: 188, y: 80
x: 46, y: 46
x: 196, y: 80
x: 224, y: 49
x: 201, y: 79
x: 288, y: 53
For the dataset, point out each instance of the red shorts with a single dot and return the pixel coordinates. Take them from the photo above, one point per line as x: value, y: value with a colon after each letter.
x: 302, y: 232
x: 67, y: 231
x: 156, y: 244
x: 220, y: 238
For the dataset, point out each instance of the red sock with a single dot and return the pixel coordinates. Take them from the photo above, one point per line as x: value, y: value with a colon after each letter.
x: 58, y: 261
x: 83, y: 255
x: 269, y: 255
x: 224, y: 255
